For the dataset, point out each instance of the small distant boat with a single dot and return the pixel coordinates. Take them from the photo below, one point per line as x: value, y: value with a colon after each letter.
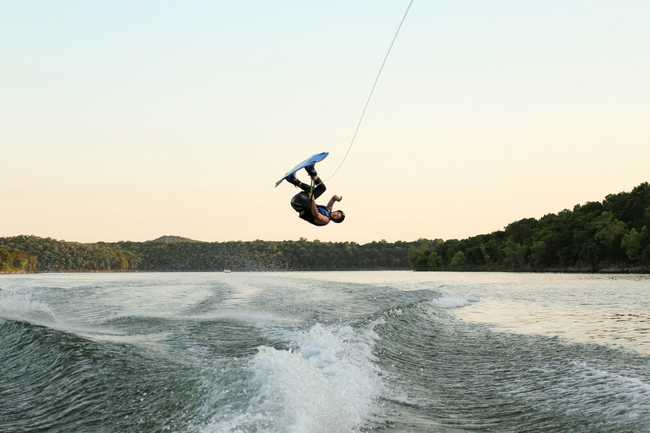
x: 227, y: 271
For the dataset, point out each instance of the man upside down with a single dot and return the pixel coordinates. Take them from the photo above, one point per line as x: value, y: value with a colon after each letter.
x: 305, y: 201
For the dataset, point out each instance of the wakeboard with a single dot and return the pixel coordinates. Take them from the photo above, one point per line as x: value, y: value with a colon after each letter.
x: 306, y: 163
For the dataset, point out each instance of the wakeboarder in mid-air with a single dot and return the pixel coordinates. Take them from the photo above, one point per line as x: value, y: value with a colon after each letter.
x: 305, y: 201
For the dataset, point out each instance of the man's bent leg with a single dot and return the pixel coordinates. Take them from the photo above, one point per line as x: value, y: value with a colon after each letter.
x: 319, y: 186
x: 303, y: 186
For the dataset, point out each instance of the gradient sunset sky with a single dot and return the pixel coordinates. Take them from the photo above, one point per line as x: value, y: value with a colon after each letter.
x: 126, y: 120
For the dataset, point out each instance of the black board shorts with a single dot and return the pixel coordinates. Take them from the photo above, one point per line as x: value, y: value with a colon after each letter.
x: 300, y: 202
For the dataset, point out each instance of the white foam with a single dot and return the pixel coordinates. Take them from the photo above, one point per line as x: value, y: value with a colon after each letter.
x: 632, y: 389
x: 326, y: 383
x: 257, y: 318
x: 19, y: 305
x: 447, y: 301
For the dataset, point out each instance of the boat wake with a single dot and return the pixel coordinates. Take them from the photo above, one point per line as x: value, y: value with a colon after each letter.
x: 326, y: 377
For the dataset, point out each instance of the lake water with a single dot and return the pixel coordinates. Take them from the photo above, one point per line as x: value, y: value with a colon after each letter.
x: 327, y: 352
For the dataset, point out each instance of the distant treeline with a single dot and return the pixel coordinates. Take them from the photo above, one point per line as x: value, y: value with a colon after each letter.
x: 34, y: 254
x: 611, y: 235
x: 31, y: 253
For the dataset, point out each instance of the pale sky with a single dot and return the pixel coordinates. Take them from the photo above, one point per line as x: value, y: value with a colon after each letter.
x: 128, y: 120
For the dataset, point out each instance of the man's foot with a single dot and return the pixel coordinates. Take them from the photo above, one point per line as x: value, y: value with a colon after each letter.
x: 292, y: 179
x: 311, y: 171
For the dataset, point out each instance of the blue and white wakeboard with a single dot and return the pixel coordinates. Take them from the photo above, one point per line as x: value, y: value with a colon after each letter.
x: 306, y: 163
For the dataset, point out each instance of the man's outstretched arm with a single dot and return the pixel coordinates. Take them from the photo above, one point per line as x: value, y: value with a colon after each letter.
x: 333, y: 200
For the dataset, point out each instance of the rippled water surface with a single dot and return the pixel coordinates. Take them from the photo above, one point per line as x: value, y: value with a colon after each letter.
x: 336, y: 352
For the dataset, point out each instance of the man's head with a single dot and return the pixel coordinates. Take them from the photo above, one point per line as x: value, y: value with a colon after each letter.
x: 338, y: 216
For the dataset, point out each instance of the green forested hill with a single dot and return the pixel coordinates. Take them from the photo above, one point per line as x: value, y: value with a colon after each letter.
x: 16, y: 261
x: 612, y: 235
x: 170, y: 239
x: 596, y: 236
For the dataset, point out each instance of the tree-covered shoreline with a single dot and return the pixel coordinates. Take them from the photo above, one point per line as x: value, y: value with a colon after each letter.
x: 608, y: 236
